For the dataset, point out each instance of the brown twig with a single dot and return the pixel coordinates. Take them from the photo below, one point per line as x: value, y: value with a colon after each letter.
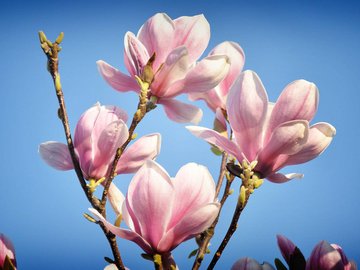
x: 140, y: 113
x: 232, y: 228
x: 209, y: 233
x: 51, y: 50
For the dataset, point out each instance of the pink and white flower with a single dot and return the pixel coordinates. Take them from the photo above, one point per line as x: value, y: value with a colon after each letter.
x: 274, y: 135
x: 98, y: 134
x: 177, y: 45
x: 7, y: 253
x: 161, y: 212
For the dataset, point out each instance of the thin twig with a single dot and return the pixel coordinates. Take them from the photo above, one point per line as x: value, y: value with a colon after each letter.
x: 209, y: 233
x: 51, y: 50
x: 232, y: 228
x: 138, y: 116
x: 221, y: 173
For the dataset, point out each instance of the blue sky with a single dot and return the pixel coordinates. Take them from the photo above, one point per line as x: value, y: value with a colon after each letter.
x: 283, y: 41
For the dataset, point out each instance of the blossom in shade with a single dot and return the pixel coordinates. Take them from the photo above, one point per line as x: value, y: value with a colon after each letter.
x: 273, y: 135
x: 327, y: 256
x: 250, y: 264
x: 98, y: 134
x: 216, y: 98
x: 7, y: 253
x: 177, y: 45
x: 161, y: 212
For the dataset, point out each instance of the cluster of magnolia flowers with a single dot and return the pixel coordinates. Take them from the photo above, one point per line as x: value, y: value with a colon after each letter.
x: 160, y: 211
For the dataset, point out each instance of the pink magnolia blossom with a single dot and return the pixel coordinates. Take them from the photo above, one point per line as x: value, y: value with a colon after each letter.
x: 329, y: 257
x: 6, y: 250
x: 161, y: 212
x: 177, y: 44
x: 99, y: 132
x: 216, y: 97
x: 250, y: 264
x: 274, y: 135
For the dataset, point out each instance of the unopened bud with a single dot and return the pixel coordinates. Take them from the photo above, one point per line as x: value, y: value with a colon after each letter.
x: 89, y: 218
x: 59, y: 38
x: 42, y: 37
x: 242, y: 196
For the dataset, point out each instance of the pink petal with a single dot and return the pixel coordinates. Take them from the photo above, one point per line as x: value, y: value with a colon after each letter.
x: 194, y: 187
x: 6, y: 249
x: 282, y: 178
x: 189, y: 226
x: 320, y: 136
x: 286, y: 247
x: 206, y: 74
x: 237, y: 59
x: 136, y: 55
x: 194, y: 33
x: 126, y: 234
x: 287, y: 139
x: 146, y: 147
x: 174, y: 69
x: 116, y: 198
x: 298, y: 101
x: 246, y: 264
x: 217, y: 139
x: 116, y: 79
x: 247, y: 109
x: 107, y: 142
x: 181, y: 112
x: 150, y: 197
x: 56, y: 155
x: 157, y: 35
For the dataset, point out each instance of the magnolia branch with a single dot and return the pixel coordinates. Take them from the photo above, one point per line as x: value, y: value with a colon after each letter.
x: 51, y: 50
x: 241, y: 204
x: 209, y: 233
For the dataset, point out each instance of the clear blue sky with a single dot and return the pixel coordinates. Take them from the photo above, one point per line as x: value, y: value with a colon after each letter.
x: 41, y: 209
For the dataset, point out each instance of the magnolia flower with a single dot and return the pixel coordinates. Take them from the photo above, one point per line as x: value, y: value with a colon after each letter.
x: 7, y: 253
x: 287, y: 248
x: 250, y: 264
x: 216, y: 97
x: 328, y: 257
x: 272, y: 135
x: 98, y: 134
x: 177, y: 45
x: 161, y: 212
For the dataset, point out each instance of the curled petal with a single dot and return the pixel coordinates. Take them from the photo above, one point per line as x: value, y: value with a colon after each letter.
x: 194, y: 33
x: 212, y: 98
x: 206, y: 74
x: 217, y: 139
x: 6, y: 250
x: 247, y: 105
x: 282, y: 178
x: 286, y: 247
x: 194, y: 187
x: 56, y: 155
x: 298, y: 101
x: 136, y: 55
x: 181, y: 112
x: 116, y: 79
x: 151, y: 196
x: 157, y: 35
x: 190, y: 225
x: 287, y: 139
x: 116, y: 198
x: 126, y: 234
x: 320, y: 136
x: 147, y: 147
